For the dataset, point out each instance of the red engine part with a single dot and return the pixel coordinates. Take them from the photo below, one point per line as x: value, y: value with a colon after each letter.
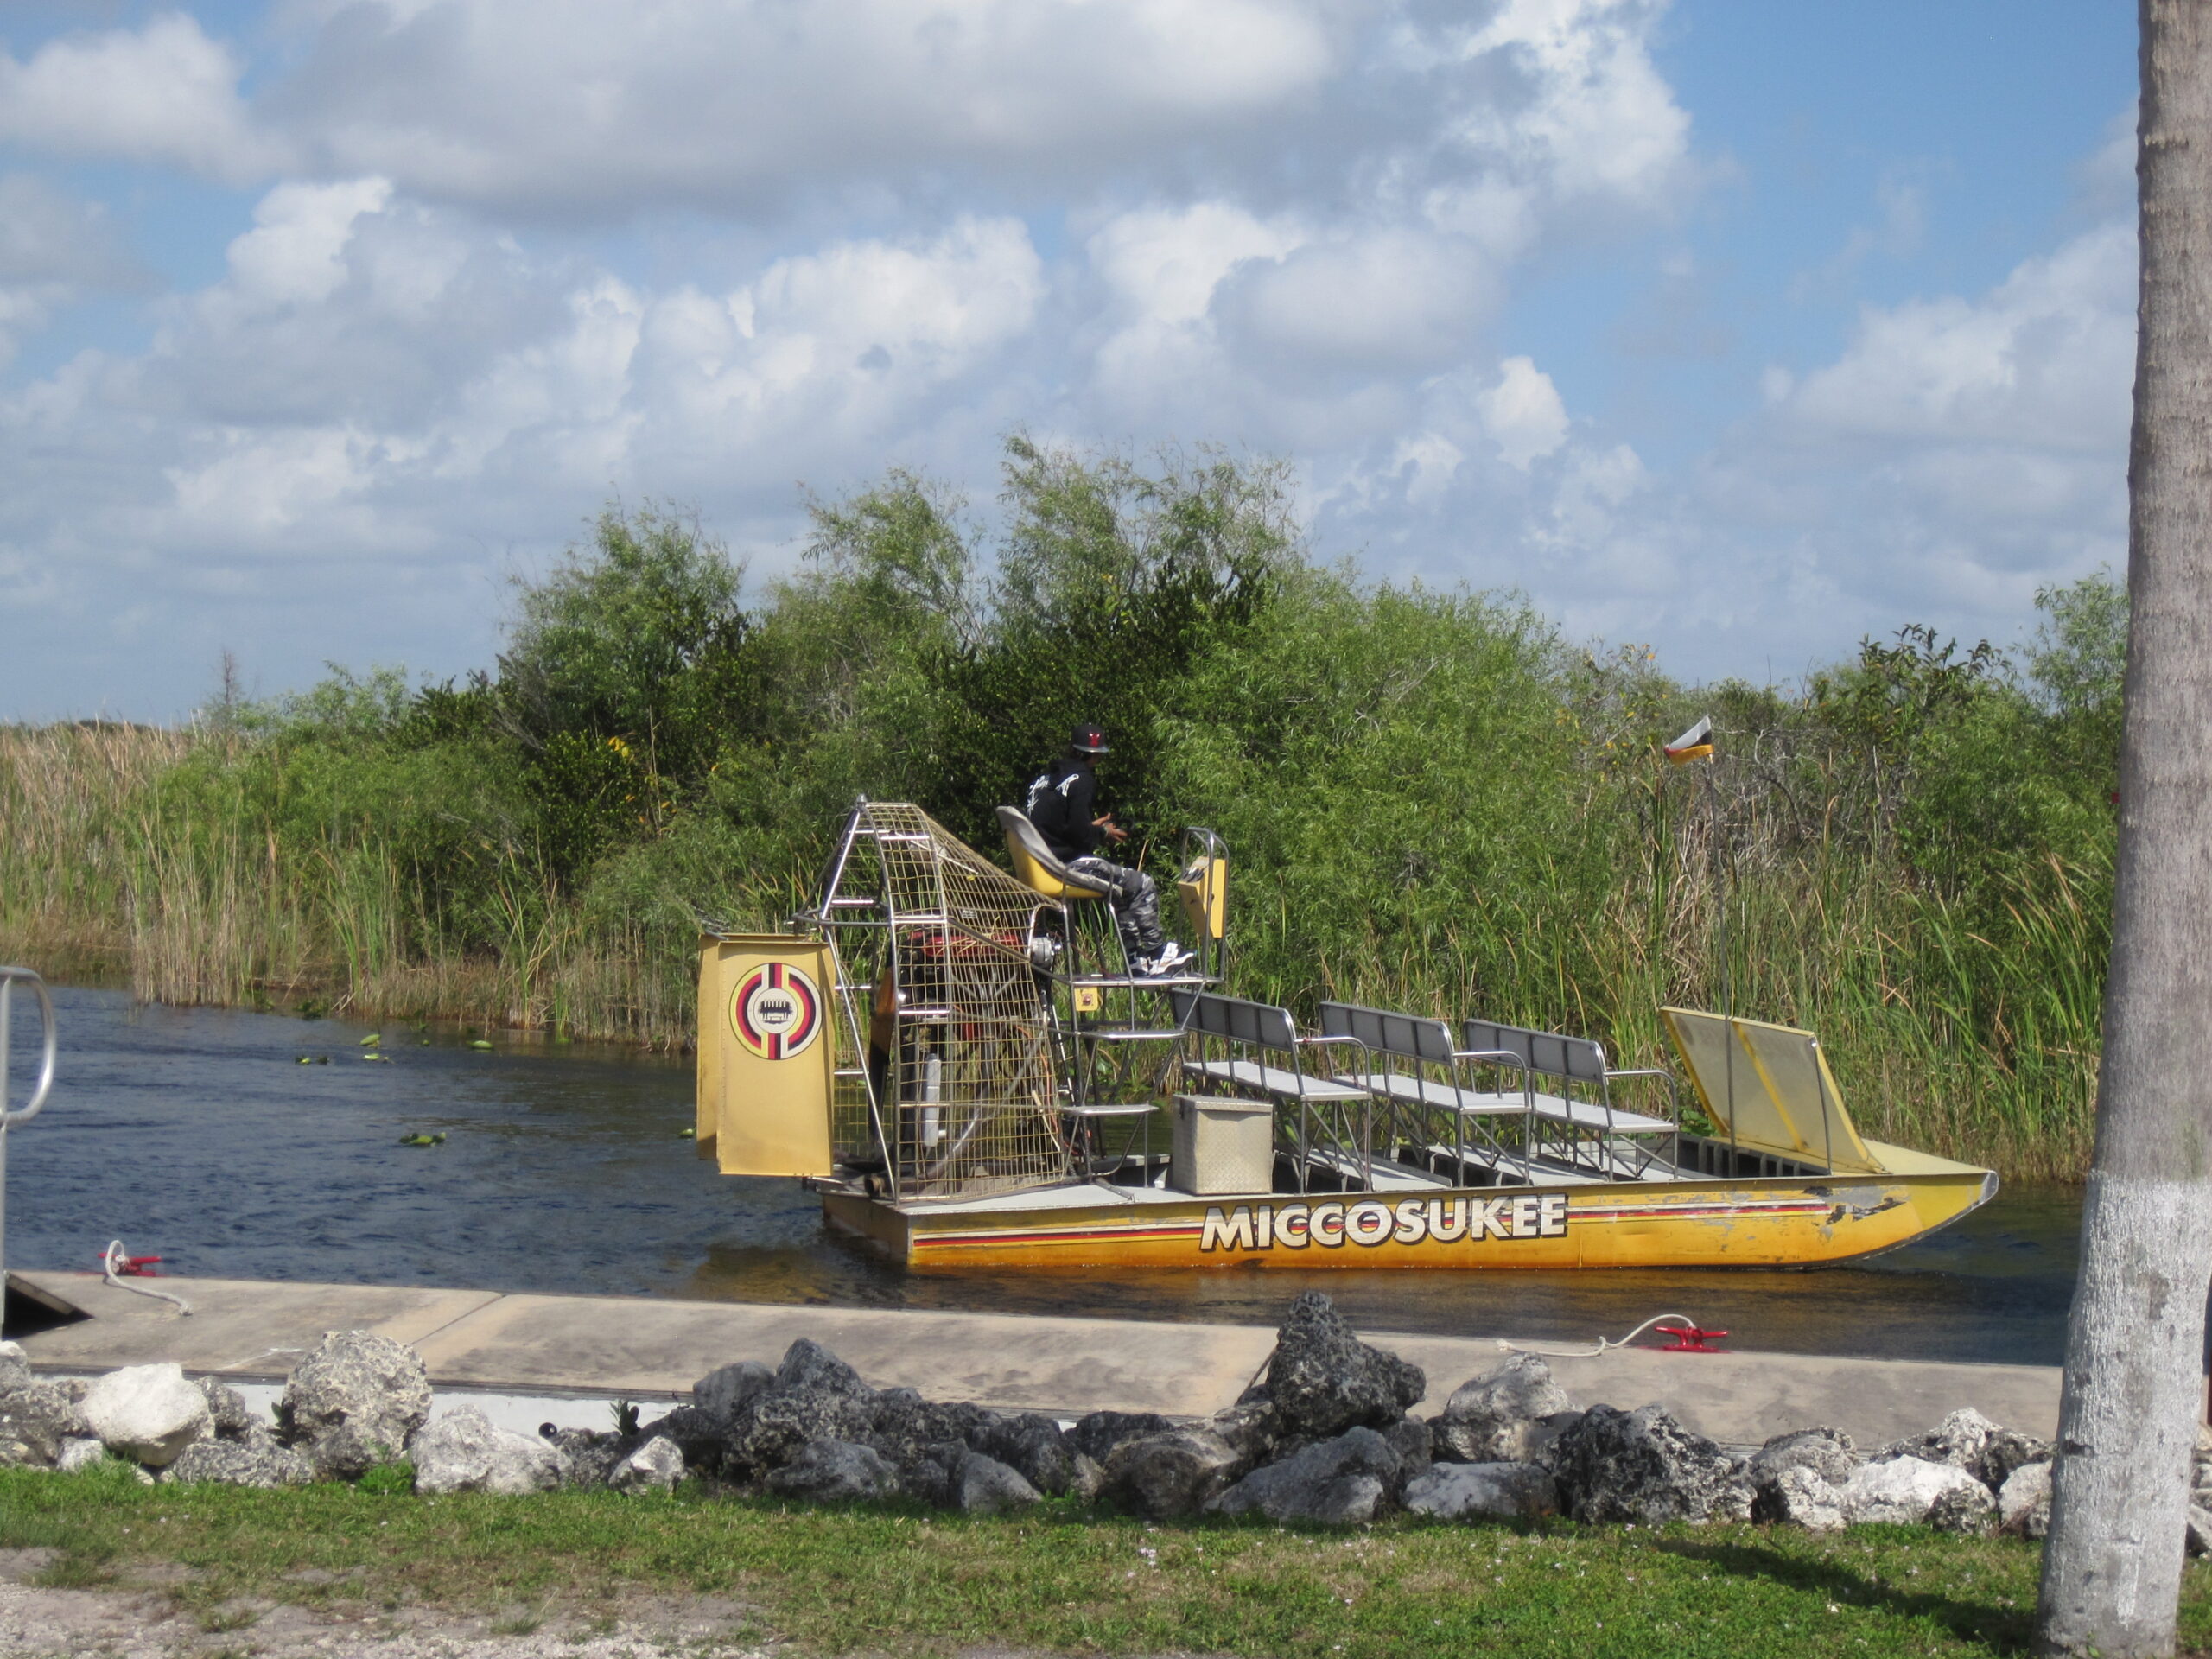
x: 1688, y: 1338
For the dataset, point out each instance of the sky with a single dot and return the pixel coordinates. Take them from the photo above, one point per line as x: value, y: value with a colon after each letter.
x: 1743, y: 330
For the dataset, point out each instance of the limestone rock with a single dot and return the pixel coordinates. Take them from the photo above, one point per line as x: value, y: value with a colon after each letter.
x: 2197, y: 1539
x: 656, y: 1466
x: 1963, y: 1508
x: 808, y: 1366
x: 589, y: 1455
x: 1645, y: 1467
x: 914, y: 1434
x: 1800, y: 1495
x: 700, y: 1435
x: 1409, y: 1439
x: 1034, y: 1446
x: 1174, y: 1472
x: 1484, y: 1491
x: 2024, y: 1501
x: 1344, y: 1482
x: 720, y: 1393
x: 14, y: 1367
x: 463, y: 1451
x: 815, y: 1396
x: 1966, y: 1440
x: 1322, y: 1380
x: 77, y: 1455
x: 1499, y: 1415
x: 35, y: 1419
x: 836, y: 1471
x: 354, y: 1402
x: 1089, y: 1479
x: 1096, y: 1435
x: 1827, y: 1454
x: 982, y: 1485
x: 227, y: 1410
x: 148, y: 1413
x: 1913, y: 1491
x: 240, y: 1463
x: 1250, y: 1426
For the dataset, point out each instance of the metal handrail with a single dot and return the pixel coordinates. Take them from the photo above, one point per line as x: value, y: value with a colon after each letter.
x: 10, y: 978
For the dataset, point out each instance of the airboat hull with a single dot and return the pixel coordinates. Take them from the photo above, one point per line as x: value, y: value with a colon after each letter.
x: 1773, y: 1223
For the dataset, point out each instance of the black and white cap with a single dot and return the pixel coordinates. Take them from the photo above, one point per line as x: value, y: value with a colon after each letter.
x: 1089, y: 740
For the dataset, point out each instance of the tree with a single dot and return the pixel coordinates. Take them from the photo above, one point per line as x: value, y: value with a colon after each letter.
x: 2128, y: 1414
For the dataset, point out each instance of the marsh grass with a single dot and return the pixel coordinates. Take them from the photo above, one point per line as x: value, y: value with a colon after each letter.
x: 113, y: 870
x: 1941, y: 1038
x: 1058, y: 1579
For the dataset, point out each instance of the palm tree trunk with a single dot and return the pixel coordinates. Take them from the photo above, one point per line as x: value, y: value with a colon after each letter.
x: 2134, y: 1347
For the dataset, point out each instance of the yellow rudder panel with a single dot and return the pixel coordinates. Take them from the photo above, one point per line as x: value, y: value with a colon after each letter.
x: 706, y: 1119
x: 1204, y: 888
x: 774, y: 1057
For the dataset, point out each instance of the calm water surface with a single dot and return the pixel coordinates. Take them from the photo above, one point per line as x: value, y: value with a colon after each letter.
x: 196, y: 1135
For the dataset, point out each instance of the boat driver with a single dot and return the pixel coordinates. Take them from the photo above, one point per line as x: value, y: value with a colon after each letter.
x: 1061, y: 803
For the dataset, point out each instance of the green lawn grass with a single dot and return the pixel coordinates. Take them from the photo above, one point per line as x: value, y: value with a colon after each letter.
x: 1061, y: 1578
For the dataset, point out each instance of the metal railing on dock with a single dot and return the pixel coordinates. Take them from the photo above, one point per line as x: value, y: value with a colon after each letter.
x: 17, y: 1116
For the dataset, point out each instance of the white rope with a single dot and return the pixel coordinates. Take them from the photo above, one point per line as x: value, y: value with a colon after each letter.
x: 1554, y: 1352
x: 112, y: 1266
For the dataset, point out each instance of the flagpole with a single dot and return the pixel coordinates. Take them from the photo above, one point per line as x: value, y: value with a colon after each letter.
x: 1694, y: 744
x: 1727, y: 963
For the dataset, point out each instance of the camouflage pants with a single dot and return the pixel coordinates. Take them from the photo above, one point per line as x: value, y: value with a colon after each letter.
x: 1135, y: 900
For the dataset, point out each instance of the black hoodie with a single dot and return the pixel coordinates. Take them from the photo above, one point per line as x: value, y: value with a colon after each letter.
x: 1061, y: 806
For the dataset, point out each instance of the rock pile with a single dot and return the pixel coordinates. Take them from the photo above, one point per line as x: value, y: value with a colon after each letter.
x: 1325, y: 1438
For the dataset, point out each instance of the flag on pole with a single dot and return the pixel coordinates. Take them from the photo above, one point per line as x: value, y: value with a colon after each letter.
x: 1695, y: 744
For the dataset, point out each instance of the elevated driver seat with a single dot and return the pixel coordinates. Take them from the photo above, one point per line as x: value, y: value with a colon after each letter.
x: 1034, y: 864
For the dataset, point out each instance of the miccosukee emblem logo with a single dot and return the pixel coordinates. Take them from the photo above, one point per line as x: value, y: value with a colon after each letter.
x: 776, y: 1011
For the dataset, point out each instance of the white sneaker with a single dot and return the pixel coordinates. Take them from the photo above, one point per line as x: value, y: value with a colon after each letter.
x: 1172, y: 958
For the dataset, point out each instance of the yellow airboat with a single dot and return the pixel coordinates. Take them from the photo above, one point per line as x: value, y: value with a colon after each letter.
x: 962, y: 1063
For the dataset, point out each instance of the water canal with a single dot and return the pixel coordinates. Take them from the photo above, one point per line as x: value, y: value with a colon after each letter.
x: 196, y: 1135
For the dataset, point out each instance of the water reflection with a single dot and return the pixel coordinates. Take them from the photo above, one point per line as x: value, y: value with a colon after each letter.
x: 196, y: 1135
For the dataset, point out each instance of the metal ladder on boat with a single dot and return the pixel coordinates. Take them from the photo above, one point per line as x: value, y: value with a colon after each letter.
x: 10, y: 978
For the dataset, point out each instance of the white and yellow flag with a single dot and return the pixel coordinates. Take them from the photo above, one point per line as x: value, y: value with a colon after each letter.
x: 1695, y: 744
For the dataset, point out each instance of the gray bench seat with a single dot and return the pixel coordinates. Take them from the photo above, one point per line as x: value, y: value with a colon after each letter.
x: 1580, y: 1114
x: 1272, y: 1080
x: 1542, y: 1173
x: 1390, y: 1175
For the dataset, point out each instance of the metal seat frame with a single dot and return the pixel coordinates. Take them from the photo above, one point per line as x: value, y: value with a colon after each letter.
x: 1332, y: 1120
x: 1620, y: 1144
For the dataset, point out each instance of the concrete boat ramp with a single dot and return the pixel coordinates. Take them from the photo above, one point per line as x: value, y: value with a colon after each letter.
x: 536, y: 1350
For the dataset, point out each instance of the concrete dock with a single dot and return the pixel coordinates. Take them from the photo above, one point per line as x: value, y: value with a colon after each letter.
x: 645, y: 1349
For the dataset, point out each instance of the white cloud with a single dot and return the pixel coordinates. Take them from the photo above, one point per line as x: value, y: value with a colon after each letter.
x: 1958, y: 454
x: 1165, y: 263
x: 2045, y: 359
x: 295, y: 252
x: 515, y: 256
x: 165, y: 93
x: 53, y: 249
x: 1523, y: 414
x: 1389, y: 298
x: 1593, y: 113
x: 574, y: 102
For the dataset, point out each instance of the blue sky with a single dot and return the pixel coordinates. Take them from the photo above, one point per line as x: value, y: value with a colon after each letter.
x: 1739, y: 329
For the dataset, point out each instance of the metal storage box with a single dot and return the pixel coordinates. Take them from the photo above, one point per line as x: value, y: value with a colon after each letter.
x: 1223, y: 1146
